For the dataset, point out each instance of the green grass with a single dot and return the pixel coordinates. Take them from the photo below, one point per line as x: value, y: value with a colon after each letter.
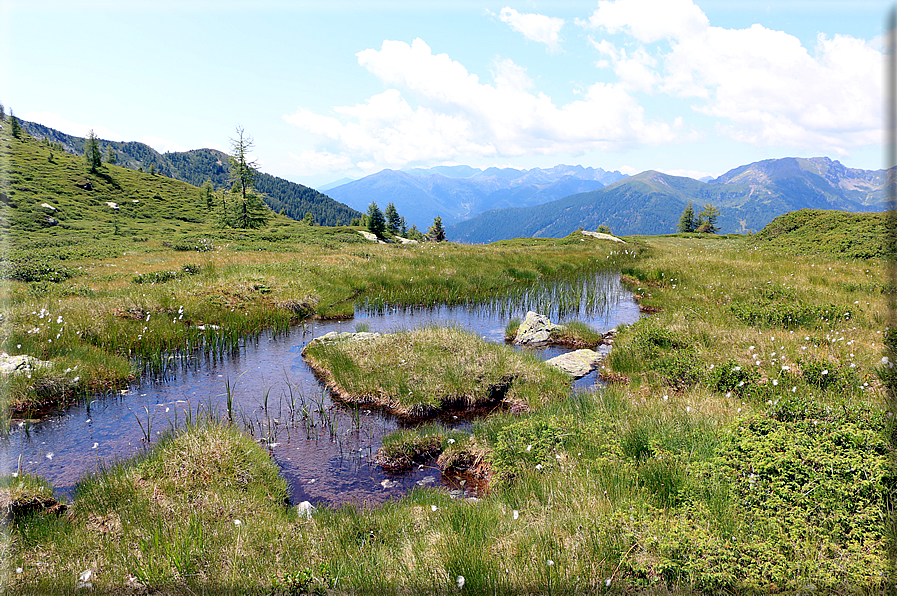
x: 419, y: 373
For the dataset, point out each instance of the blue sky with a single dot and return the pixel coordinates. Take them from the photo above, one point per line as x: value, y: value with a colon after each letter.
x: 336, y: 89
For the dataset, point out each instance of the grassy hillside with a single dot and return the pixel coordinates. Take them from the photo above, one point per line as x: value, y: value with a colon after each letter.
x: 197, y: 166
x: 836, y: 233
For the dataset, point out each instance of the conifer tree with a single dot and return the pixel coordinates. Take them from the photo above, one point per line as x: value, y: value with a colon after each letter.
x: 707, y: 217
x: 92, y: 156
x: 206, y: 195
x: 2, y: 113
x: 687, y: 219
x: 393, y: 219
x: 15, y: 127
x: 376, y: 223
x: 436, y: 233
x: 111, y: 156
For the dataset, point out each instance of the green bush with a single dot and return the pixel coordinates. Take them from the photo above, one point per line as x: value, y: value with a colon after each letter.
x: 732, y: 377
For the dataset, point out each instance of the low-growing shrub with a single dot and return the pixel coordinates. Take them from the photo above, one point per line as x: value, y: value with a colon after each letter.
x: 825, y: 375
x: 31, y: 270
x: 788, y: 315
x: 160, y: 277
x: 732, y: 377
x: 681, y: 369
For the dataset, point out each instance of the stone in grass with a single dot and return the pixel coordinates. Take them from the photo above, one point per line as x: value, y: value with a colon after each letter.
x: 371, y: 237
x: 578, y: 363
x: 535, y: 330
x: 20, y: 363
x: 335, y: 336
x: 305, y: 509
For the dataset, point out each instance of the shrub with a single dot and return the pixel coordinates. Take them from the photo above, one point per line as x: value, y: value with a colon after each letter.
x: 732, y: 377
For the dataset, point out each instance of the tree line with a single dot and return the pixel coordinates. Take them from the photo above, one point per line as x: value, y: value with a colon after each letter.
x: 379, y: 223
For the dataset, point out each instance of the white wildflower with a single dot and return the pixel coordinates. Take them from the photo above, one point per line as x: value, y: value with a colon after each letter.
x: 460, y: 580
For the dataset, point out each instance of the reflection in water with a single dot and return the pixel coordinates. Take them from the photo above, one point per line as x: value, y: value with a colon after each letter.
x: 324, y: 449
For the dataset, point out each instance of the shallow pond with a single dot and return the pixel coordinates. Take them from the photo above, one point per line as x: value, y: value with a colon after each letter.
x: 324, y: 449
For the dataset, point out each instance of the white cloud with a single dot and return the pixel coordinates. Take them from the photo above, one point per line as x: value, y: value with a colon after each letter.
x: 55, y: 120
x: 535, y: 27
x: 458, y: 116
x: 696, y: 174
x: 762, y: 86
x: 162, y: 145
x: 648, y: 20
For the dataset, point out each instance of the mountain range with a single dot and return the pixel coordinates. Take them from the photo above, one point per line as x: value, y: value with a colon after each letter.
x: 749, y: 197
x: 458, y: 192
x: 197, y: 166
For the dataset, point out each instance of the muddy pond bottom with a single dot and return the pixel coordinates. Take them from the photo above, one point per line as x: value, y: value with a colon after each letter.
x: 325, y: 449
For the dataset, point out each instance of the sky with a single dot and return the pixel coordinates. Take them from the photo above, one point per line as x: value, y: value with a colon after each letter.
x: 337, y: 89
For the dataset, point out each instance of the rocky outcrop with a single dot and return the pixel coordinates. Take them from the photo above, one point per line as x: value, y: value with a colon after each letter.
x: 601, y: 236
x: 535, y: 330
x: 371, y: 237
x: 579, y: 363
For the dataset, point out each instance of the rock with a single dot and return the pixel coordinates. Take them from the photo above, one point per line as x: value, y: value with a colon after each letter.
x: 305, y: 509
x: 406, y: 240
x: 48, y: 207
x: 51, y: 221
x: 578, y: 363
x: 535, y: 330
x: 601, y: 236
x: 371, y: 237
x: 21, y: 363
x: 335, y: 336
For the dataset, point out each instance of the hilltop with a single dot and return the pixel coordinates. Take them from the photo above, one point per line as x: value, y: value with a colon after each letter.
x: 198, y: 165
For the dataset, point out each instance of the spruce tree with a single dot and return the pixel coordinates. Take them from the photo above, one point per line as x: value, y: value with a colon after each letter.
x: 393, y: 219
x: 376, y: 223
x: 111, y: 156
x: 92, y: 156
x: 2, y: 113
x: 687, y: 219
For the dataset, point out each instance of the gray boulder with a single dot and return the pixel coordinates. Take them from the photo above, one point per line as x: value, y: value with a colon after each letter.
x: 535, y: 330
x: 335, y: 336
x: 578, y: 363
x: 20, y: 363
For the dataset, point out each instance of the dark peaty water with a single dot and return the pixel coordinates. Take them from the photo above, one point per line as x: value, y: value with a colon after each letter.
x: 324, y: 449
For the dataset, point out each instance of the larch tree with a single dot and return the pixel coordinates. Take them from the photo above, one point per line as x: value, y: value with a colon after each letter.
x: 707, y: 218
x: 436, y: 233
x: 92, y: 156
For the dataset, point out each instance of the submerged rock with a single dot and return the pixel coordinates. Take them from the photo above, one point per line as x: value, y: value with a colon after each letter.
x: 535, y: 330
x: 578, y: 363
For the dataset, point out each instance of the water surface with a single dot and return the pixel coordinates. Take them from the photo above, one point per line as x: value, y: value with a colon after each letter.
x: 324, y: 448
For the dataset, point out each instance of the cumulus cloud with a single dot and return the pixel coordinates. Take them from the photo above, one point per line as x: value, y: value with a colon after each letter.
x: 763, y: 86
x: 535, y: 27
x: 457, y: 116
